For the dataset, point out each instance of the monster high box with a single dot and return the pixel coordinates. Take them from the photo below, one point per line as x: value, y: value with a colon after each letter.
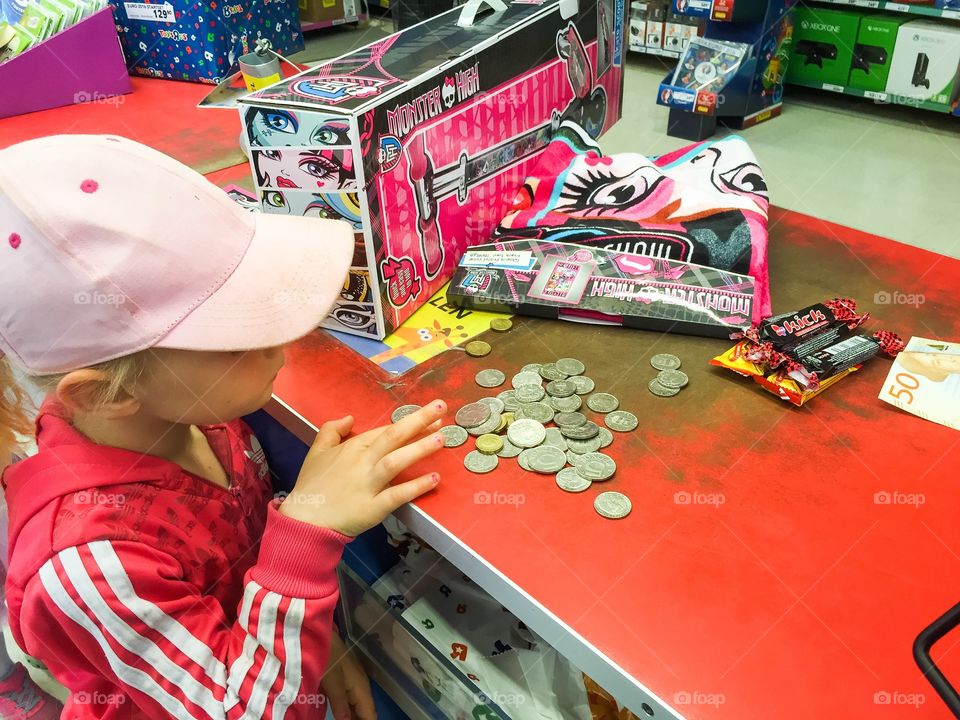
x: 591, y: 284
x: 201, y: 41
x: 421, y: 140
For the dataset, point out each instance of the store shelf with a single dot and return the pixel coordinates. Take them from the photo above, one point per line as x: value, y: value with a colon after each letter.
x: 307, y: 27
x: 655, y: 51
x: 925, y: 10
x: 878, y: 97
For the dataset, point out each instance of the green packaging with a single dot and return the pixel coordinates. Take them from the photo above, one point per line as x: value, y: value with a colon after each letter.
x: 873, y: 53
x: 38, y: 21
x: 822, y: 48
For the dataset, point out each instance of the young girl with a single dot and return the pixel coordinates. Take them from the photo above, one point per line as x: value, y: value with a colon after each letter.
x: 150, y: 569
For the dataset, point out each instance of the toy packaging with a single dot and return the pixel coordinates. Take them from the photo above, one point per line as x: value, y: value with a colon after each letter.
x: 823, y: 42
x: 707, y: 65
x: 422, y: 151
x: 590, y: 284
x: 926, y: 62
x: 201, y: 42
x: 873, y: 52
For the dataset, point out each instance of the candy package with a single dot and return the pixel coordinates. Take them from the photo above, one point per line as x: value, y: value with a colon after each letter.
x: 800, y: 354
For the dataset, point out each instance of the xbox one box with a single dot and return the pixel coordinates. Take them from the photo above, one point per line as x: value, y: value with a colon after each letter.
x: 873, y: 53
x: 422, y: 139
x: 926, y: 63
x: 596, y: 285
x: 822, y: 48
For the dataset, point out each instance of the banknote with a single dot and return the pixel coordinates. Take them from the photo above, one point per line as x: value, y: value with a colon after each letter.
x: 925, y: 380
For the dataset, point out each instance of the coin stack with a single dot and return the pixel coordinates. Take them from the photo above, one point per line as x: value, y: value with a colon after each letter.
x: 670, y: 381
x: 538, y: 422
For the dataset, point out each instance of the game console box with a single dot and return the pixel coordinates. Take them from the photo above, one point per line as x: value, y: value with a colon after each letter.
x: 822, y: 49
x: 421, y: 150
x: 925, y: 62
x: 597, y: 285
x: 873, y: 53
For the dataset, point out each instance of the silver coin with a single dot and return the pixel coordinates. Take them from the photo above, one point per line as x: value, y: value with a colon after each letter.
x: 621, y: 421
x: 665, y: 361
x: 584, y: 384
x: 605, y: 437
x: 561, y: 388
x: 596, y: 466
x: 453, y: 435
x: 532, y: 367
x: 555, y: 438
x: 582, y: 447
x: 570, y: 366
x: 526, y: 378
x: 401, y: 412
x: 526, y: 433
x: 569, y: 419
x: 546, y: 459
x: 472, y: 415
x: 566, y: 404
x: 490, y: 426
x: 550, y: 371
x: 509, y: 400
x: 572, y: 458
x: 612, y: 505
x: 603, y: 402
x: 581, y: 432
x: 539, y: 411
x: 659, y: 390
x: 509, y: 450
x: 673, y: 378
x: 530, y: 393
x: 477, y: 462
x: 495, y: 404
x: 490, y: 378
x: 569, y: 480
x: 522, y: 461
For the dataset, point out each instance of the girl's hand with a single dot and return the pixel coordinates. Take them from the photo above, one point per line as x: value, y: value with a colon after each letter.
x: 345, y: 684
x: 345, y: 485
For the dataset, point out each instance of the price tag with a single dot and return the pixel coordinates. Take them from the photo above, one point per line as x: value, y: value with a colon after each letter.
x: 871, y: 3
x: 873, y: 95
x: 833, y: 88
x: 897, y: 7
x: 151, y: 12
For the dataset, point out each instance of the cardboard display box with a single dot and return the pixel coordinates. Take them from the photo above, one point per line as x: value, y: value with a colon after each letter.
x: 323, y: 11
x: 421, y: 150
x: 873, y: 53
x: 822, y: 49
x: 201, y: 42
x: 926, y: 62
x: 593, y: 284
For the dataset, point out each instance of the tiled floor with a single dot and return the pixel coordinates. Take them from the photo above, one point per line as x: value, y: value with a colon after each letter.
x: 892, y: 171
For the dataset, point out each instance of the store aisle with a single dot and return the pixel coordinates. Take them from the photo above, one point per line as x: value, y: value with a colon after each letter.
x: 891, y: 171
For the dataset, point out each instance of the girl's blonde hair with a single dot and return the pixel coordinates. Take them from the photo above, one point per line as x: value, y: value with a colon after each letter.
x: 16, y: 409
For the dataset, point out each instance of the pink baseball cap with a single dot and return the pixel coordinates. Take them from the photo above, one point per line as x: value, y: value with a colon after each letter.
x: 110, y: 247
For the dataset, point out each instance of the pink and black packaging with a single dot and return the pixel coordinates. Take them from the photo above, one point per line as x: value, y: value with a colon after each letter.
x: 422, y: 139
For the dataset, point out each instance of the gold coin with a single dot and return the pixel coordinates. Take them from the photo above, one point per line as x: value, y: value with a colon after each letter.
x: 501, y: 324
x: 489, y: 444
x: 509, y: 417
x: 503, y: 424
x: 478, y: 348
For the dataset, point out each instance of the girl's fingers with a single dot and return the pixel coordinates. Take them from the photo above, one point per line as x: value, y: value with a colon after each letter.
x: 332, y: 433
x: 412, y: 426
x: 392, y: 497
x: 399, y: 460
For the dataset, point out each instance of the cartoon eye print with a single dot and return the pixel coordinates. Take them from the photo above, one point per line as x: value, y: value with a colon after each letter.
x: 746, y: 178
x: 274, y: 199
x: 599, y: 191
x: 280, y: 121
x: 318, y: 166
x: 331, y: 134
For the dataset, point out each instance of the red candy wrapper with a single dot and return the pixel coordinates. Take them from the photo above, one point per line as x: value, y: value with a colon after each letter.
x: 797, y: 355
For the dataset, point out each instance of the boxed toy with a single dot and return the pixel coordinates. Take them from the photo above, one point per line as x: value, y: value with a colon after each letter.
x: 201, y: 42
x: 323, y: 11
x: 926, y: 62
x: 638, y: 25
x: 423, y: 150
x: 873, y: 53
x: 593, y: 284
x: 822, y: 49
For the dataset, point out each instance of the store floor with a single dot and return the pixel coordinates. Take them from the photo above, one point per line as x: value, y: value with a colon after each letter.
x: 891, y: 171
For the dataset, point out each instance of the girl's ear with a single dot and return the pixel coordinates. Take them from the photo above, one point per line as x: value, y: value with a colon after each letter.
x: 88, y: 391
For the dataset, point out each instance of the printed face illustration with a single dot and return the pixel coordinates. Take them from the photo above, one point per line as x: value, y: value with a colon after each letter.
x: 722, y: 180
x: 281, y: 128
x: 312, y: 169
x: 933, y: 366
x: 604, y: 190
x: 330, y: 206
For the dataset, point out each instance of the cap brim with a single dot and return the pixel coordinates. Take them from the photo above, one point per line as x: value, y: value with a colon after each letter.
x: 284, y: 286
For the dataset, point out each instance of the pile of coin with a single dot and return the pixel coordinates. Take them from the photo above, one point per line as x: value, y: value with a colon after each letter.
x: 538, y: 421
x: 671, y: 380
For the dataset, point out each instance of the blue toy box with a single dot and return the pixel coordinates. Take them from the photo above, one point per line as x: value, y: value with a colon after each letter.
x: 201, y: 41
